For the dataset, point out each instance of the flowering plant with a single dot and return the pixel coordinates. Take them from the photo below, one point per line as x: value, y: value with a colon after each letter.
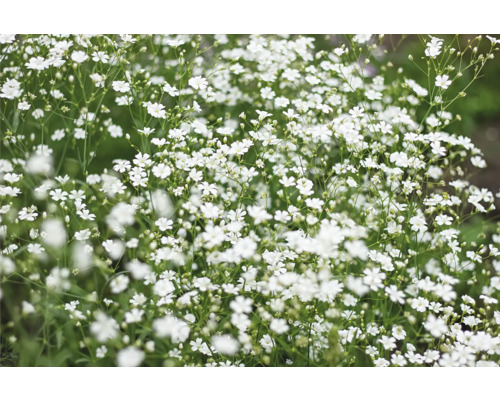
x: 241, y: 200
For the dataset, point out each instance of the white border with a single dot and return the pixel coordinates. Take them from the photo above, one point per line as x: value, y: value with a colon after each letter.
x: 248, y: 383
x: 250, y: 16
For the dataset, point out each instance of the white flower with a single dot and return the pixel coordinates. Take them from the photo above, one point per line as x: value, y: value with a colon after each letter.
x: 493, y: 40
x: 157, y: 110
x: 389, y: 343
x: 119, y: 284
x: 129, y: 357
x: 373, y: 278
x: 11, y: 89
x: 121, y: 215
x: 162, y: 204
x: 258, y: 213
x: 420, y: 304
x: 114, y: 247
x: 80, y: 133
x: 395, y: 294
x: 6, y: 38
x: 79, y: 56
x: 161, y: 171
x: 115, y: 131
x: 170, y: 326
x: 357, y: 248
x: 27, y: 214
x: 58, y: 279
x: 478, y: 162
x: 363, y: 38
x: 121, y: 86
x: 172, y: 91
x: 418, y: 224
x: 39, y: 164
x: 213, y: 236
x: 163, y: 287
x: 442, y: 219
x: 82, y: 235
x: 101, y: 352
x: 241, y: 305
x: 164, y: 224
x: 138, y: 270
x: 434, y: 47
x: 7, y: 266
x: 23, y: 105
x: 104, y: 327
x: 146, y: 131
x: 400, y: 159
x: 436, y: 326
x: 53, y: 233
x: 27, y: 308
x: 198, y: 83
x: 282, y: 216
x: 443, y: 81
x: 133, y: 316
x: 305, y: 187
x: 210, y: 211
x: 267, y: 343
x: 225, y: 344
x: 37, y: 63
x: 315, y: 203
x: 244, y: 248
x: 279, y: 326
x: 267, y: 93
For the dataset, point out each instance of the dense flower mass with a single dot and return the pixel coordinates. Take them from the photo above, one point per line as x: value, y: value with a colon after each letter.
x: 240, y: 200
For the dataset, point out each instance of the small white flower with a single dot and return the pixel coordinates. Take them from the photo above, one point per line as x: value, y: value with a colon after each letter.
x: 225, y: 344
x: 434, y: 47
x: 79, y: 56
x: 121, y: 86
x: 418, y: 224
x: 198, y: 83
x: 104, y: 327
x: 164, y: 224
x: 279, y: 326
x: 119, y: 284
x: 130, y: 357
x: 436, y: 326
x: 443, y: 81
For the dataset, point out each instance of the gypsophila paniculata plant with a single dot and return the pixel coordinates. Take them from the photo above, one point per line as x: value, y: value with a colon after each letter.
x: 175, y: 200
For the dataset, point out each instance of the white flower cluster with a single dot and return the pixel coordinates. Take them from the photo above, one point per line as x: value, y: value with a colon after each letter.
x: 216, y: 201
